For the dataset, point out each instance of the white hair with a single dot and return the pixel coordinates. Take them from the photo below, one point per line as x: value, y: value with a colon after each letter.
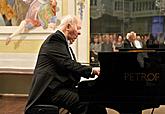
x: 69, y: 19
x: 128, y: 35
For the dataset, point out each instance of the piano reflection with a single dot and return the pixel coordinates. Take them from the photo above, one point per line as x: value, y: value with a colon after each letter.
x: 131, y: 80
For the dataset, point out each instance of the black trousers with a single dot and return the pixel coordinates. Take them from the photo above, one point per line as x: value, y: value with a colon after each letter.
x: 68, y: 98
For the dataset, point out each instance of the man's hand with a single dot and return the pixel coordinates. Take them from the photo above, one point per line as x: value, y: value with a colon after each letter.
x: 95, y: 71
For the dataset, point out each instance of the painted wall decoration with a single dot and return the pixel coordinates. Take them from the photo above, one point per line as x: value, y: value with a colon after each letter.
x: 12, y: 12
x: 24, y: 16
x: 80, y: 7
x: 21, y: 51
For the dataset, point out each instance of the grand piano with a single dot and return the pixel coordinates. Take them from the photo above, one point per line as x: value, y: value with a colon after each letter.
x: 130, y: 80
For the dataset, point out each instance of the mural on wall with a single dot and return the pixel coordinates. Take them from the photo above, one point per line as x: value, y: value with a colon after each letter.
x: 34, y: 17
x: 22, y: 49
x: 12, y: 12
x: 25, y: 16
x: 40, y: 13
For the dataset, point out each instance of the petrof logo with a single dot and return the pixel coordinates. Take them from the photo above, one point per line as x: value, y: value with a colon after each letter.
x: 141, y: 76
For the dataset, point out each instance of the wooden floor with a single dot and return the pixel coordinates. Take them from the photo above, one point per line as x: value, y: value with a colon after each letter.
x: 15, y: 105
x: 12, y: 105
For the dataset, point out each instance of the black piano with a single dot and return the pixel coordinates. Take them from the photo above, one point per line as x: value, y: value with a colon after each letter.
x: 130, y: 80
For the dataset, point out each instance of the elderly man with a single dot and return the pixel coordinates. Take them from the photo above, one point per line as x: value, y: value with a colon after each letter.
x: 57, y: 73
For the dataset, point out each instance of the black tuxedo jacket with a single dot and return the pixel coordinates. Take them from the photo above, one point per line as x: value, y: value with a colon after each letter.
x: 55, y: 64
x: 127, y: 44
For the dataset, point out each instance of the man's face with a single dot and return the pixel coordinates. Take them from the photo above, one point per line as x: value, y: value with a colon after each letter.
x: 74, y: 31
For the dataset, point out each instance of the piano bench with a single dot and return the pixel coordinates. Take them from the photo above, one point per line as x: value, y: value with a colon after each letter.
x: 47, y: 109
x: 43, y: 109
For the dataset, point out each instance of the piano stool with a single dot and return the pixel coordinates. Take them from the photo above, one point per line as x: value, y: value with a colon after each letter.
x: 47, y: 109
